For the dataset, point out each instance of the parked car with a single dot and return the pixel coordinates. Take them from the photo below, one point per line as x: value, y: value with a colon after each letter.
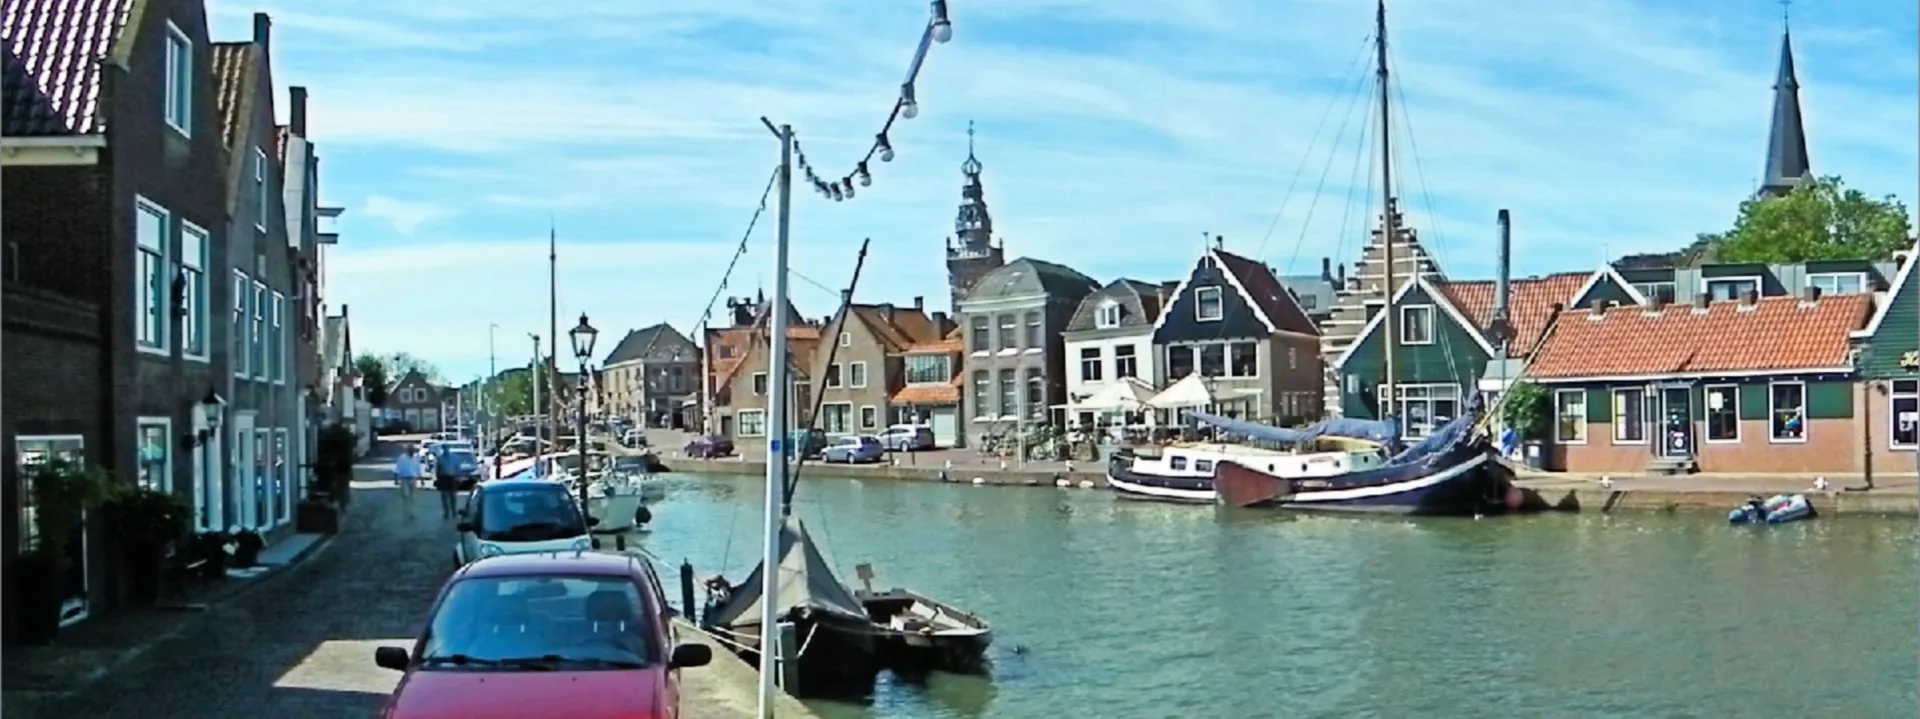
x: 807, y: 442
x: 458, y: 463
x: 519, y: 516
x: 545, y: 635
x: 635, y: 437
x: 859, y: 449
x: 907, y: 438
x: 709, y: 447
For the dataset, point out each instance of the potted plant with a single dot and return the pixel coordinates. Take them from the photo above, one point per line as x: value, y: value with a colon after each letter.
x: 149, y: 525
x: 334, y: 455
x: 62, y: 493
x: 213, y: 547
x: 246, y: 547
x: 1527, y: 410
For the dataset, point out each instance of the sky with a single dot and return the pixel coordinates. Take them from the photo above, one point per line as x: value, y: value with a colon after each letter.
x: 1116, y: 135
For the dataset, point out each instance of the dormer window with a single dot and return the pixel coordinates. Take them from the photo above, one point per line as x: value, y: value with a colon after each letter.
x: 1107, y: 316
x: 1208, y: 305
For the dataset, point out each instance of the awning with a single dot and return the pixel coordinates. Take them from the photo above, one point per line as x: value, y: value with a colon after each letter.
x: 1131, y: 393
x: 1190, y: 391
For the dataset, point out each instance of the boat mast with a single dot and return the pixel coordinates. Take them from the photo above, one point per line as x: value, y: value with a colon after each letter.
x: 779, y: 387
x: 1389, y: 223
x: 553, y: 334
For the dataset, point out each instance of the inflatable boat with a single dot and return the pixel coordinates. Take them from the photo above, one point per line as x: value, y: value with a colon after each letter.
x: 1778, y: 509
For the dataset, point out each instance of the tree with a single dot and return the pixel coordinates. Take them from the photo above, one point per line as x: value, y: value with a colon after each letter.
x: 373, y: 377
x: 1822, y: 220
x: 379, y: 373
x: 511, y: 394
x: 400, y: 364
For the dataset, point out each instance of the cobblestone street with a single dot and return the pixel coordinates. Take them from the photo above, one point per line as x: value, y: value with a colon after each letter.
x: 302, y: 645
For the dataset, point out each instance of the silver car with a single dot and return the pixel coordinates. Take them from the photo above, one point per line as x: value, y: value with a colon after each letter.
x: 521, y: 516
x: 907, y: 438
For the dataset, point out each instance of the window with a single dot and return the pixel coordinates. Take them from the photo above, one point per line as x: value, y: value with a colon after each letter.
x: 178, y: 103
x: 1203, y: 465
x: 1090, y: 363
x: 1787, y: 406
x: 760, y: 383
x: 857, y: 375
x: 150, y: 323
x: 155, y: 445
x: 1107, y: 316
x: 753, y: 423
x: 194, y: 259
x: 1905, y: 417
x: 282, y: 479
x: 846, y: 339
x: 1009, y: 393
x: 928, y: 369
x: 1208, y: 305
x: 1035, y: 328
x: 726, y: 351
x: 980, y: 339
x: 1307, y: 302
x: 33, y: 452
x: 1009, y: 332
x: 1124, y: 363
x: 869, y: 417
x: 833, y: 376
x: 1213, y: 359
x: 1731, y: 288
x: 1243, y: 359
x: 1723, y: 413
x: 276, y: 338
x: 1179, y: 361
x: 1629, y: 416
x: 258, y: 356
x: 1423, y: 407
x: 1293, y: 358
x: 242, y: 308
x: 259, y: 189
x: 982, y: 390
x: 1838, y: 283
x: 836, y: 418
x: 1416, y: 325
x: 1570, y: 416
x: 676, y: 379
x: 1662, y: 291
x: 1177, y: 462
x: 1036, y: 393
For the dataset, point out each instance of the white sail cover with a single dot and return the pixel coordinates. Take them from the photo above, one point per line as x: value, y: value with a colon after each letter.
x: 1190, y: 391
x: 805, y: 581
x: 1131, y: 393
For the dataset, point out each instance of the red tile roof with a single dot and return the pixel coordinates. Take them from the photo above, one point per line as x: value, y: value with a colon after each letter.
x: 1774, y: 334
x: 925, y: 394
x: 1529, y: 303
x: 1267, y: 293
x: 940, y: 346
x: 55, y: 49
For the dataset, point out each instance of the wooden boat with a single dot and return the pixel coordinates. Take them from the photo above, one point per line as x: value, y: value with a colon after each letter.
x: 920, y: 634
x: 837, y: 653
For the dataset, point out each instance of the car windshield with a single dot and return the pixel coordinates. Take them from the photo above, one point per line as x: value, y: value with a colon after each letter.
x: 531, y: 513
x: 458, y: 456
x: 541, y: 623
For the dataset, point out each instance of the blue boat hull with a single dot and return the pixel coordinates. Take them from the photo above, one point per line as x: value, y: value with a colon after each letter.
x: 1461, y: 481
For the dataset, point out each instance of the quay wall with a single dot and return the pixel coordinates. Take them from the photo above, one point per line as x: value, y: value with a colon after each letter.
x: 729, y: 688
x: 1699, y: 493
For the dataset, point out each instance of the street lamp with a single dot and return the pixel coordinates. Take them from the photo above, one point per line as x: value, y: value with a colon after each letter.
x: 582, y: 336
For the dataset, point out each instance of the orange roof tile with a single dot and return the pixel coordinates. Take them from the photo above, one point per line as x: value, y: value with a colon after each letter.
x: 1529, y: 303
x: 1775, y: 334
x: 936, y: 346
x: 928, y: 394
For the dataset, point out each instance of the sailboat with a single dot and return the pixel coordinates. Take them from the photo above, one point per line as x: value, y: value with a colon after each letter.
x: 1342, y: 465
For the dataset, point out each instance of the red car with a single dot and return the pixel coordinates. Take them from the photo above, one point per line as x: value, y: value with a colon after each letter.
x: 580, y: 635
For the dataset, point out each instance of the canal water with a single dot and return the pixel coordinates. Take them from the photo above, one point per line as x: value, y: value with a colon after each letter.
x: 1106, y: 608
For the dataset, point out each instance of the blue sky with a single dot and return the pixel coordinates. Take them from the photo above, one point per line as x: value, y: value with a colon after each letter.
x: 1114, y: 133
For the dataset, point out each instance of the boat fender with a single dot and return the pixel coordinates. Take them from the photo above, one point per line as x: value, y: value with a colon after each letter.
x: 944, y: 477
x: 642, y: 515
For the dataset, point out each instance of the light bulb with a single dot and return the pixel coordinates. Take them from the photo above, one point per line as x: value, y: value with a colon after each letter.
x: 942, y: 30
x: 908, y: 108
x: 866, y: 178
x: 886, y: 154
x: 846, y: 187
x: 883, y: 147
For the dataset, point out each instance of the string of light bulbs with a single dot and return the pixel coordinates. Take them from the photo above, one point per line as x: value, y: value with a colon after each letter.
x: 939, y: 29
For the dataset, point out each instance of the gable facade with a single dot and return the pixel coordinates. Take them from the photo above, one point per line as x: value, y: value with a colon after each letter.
x: 1232, y: 321
x: 1889, y: 365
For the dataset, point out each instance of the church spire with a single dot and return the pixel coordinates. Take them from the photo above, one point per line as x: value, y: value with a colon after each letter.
x: 973, y: 226
x: 1787, y: 163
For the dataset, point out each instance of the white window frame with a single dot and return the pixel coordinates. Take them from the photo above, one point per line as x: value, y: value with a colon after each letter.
x: 1107, y: 315
x: 1706, y: 414
x: 869, y: 416
x: 1580, y: 437
x: 196, y: 336
x: 177, y: 105
x: 1861, y: 277
x: 1806, y: 425
x: 1408, y: 314
x: 740, y: 422
x: 150, y: 302
x: 257, y: 332
x: 1894, y: 392
x: 242, y: 301
x: 260, y: 189
x: 846, y: 339
x: 1227, y: 371
x: 836, y: 377
x: 276, y: 340
x: 856, y: 371
x: 758, y: 384
x: 821, y: 420
x: 140, y: 425
x: 1459, y: 399
x: 1097, y: 363
x: 1652, y: 289
x: 1133, y: 353
x: 1613, y: 413
x: 1200, y: 295
x: 1707, y: 283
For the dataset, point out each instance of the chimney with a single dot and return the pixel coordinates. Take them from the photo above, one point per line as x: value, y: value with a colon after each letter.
x: 1653, y: 305
x: 1599, y: 304
x: 886, y: 308
x: 1219, y: 242
x: 1701, y: 302
x: 919, y: 303
x: 262, y: 30
x: 846, y: 297
x: 1343, y: 274
x: 1810, y: 297
x: 1749, y: 298
x: 297, y: 116
x: 1503, y: 276
x: 1326, y: 270
x: 940, y: 323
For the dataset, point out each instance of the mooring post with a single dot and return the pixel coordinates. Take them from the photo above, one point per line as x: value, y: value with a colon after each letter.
x: 789, y: 658
x: 686, y: 592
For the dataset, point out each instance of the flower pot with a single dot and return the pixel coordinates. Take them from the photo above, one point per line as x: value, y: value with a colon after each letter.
x: 38, y: 583
x: 145, y: 565
x: 315, y: 516
x: 216, y: 566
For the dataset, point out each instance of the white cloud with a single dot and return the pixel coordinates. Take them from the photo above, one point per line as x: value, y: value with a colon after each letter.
x: 1606, y: 126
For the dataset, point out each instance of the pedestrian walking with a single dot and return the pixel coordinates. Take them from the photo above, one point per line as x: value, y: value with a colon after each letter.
x: 406, y: 472
x: 449, y: 489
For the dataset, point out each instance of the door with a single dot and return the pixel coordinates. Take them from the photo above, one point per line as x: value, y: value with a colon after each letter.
x: 1676, y: 422
x: 207, y: 498
x: 946, y: 427
x: 240, y: 488
x: 261, y: 479
x: 30, y: 453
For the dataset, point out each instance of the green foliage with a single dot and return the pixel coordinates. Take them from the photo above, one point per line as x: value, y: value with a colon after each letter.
x: 373, y: 377
x: 379, y: 373
x: 1823, y: 220
x: 1528, y: 409
x: 63, y: 492
x: 511, y: 395
x: 143, y: 516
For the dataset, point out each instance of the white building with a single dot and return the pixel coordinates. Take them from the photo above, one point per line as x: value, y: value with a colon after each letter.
x: 1109, y: 342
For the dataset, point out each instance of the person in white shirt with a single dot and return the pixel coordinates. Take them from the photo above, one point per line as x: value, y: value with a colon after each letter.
x: 406, y: 472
